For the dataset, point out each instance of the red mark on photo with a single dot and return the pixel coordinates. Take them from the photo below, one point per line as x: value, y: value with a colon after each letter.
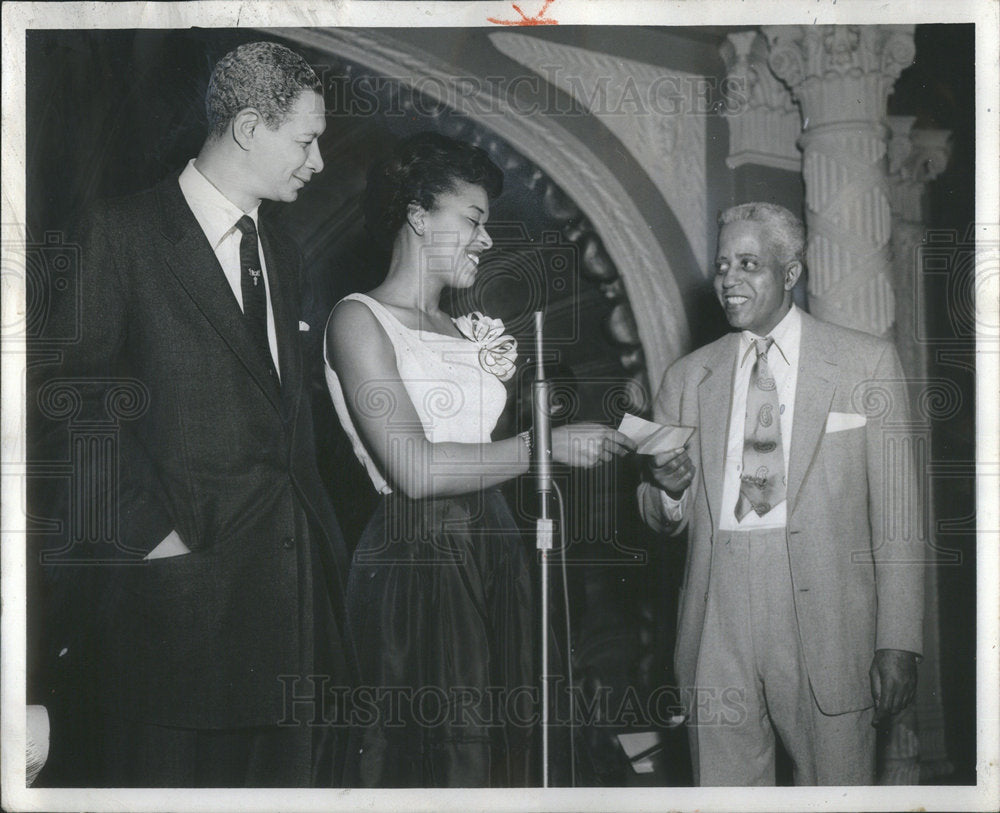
x: 538, y: 19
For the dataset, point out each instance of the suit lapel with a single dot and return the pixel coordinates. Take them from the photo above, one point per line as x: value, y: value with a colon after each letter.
x: 714, y: 405
x: 817, y: 380
x: 191, y: 259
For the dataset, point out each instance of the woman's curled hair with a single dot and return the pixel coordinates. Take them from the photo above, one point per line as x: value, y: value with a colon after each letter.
x: 419, y: 169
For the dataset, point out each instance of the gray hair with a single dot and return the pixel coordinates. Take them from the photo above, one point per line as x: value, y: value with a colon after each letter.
x: 785, y: 231
x: 263, y: 75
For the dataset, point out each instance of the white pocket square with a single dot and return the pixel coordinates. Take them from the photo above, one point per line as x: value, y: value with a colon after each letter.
x: 303, y: 326
x: 839, y: 421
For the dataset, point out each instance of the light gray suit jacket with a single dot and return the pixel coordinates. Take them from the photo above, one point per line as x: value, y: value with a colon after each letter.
x: 854, y: 514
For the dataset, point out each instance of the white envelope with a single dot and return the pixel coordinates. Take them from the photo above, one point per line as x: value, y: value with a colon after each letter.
x: 653, y: 438
x: 839, y: 421
x: 303, y: 326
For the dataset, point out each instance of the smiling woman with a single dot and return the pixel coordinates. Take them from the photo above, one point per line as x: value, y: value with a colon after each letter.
x: 459, y: 220
x: 439, y: 594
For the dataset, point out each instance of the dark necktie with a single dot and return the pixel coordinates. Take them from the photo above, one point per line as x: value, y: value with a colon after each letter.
x: 254, y: 291
x: 762, y: 484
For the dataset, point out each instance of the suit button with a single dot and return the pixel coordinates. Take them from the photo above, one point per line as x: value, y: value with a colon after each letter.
x: 288, y: 542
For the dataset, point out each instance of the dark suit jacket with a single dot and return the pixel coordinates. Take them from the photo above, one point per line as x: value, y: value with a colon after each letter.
x: 855, y: 546
x: 222, y: 454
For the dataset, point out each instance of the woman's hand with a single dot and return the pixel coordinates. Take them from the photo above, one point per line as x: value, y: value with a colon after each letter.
x: 584, y: 445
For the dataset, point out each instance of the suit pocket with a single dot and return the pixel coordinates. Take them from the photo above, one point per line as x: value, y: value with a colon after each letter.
x: 843, y: 421
x: 155, y: 567
x: 844, y: 453
x: 169, y: 603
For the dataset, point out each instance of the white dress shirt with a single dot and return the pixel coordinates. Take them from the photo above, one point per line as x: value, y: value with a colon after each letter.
x: 217, y: 216
x: 783, y: 360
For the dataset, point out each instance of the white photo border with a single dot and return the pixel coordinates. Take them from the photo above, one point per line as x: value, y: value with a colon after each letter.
x: 18, y: 17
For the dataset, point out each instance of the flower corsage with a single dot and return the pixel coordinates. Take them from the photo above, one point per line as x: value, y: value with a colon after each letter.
x: 497, y: 350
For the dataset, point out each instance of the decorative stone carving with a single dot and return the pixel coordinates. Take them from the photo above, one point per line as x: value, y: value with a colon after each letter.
x: 841, y: 77
x: 916, y: 750
x: 840, y: 73
x: 655, y: 114
x: 764, y: 121
x: 915, y: 158
x: 905, y: 204
x: 649, y: 283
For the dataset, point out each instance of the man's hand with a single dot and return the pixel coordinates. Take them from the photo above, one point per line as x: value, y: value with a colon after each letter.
x: 672, y: 471
x: 893, y: 675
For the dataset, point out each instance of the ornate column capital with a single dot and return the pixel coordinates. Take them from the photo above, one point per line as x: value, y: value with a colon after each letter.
x: 916, y: 156
x: 899, y: 141
x: 930, y: 153
x: 840, y: 73
x: 764, y: 121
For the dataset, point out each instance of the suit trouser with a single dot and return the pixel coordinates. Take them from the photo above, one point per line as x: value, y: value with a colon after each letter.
x: 752, y: 682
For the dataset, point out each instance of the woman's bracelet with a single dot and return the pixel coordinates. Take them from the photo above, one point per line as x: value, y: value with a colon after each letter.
x: 528, y: 436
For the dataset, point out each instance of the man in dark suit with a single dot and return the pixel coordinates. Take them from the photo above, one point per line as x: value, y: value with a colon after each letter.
x: 227, y: 595
x: 801, y: 611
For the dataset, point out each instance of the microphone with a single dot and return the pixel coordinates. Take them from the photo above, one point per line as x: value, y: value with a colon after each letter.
x: 544, y: 526
x: 542, y: 435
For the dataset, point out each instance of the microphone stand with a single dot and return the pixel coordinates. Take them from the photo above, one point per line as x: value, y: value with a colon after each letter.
x: 542, y: 432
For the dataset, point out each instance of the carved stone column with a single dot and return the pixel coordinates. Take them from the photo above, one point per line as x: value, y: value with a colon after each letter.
x: 916, y: 157
x: 915, y: 751
x: 841, y: 76
x: 764, y: 121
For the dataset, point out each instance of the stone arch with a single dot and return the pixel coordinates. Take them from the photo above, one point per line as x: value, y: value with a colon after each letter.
x: 648, y: 283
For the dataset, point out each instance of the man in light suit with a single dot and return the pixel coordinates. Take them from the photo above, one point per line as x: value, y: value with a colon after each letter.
x: 801, y: 606
x: 228, y: 590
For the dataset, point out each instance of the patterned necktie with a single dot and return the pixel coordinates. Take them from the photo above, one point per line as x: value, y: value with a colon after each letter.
x: 254, y: 291
x: 762, y: 484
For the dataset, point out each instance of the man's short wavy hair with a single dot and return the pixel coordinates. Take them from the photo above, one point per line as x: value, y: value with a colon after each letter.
x: 263, y: 75
x: 785, y: 230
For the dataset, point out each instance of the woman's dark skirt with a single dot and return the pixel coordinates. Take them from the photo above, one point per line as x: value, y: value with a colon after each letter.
x: 439, y: 601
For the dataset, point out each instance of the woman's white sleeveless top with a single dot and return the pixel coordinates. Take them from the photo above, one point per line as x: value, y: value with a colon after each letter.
x: 455, y: 398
